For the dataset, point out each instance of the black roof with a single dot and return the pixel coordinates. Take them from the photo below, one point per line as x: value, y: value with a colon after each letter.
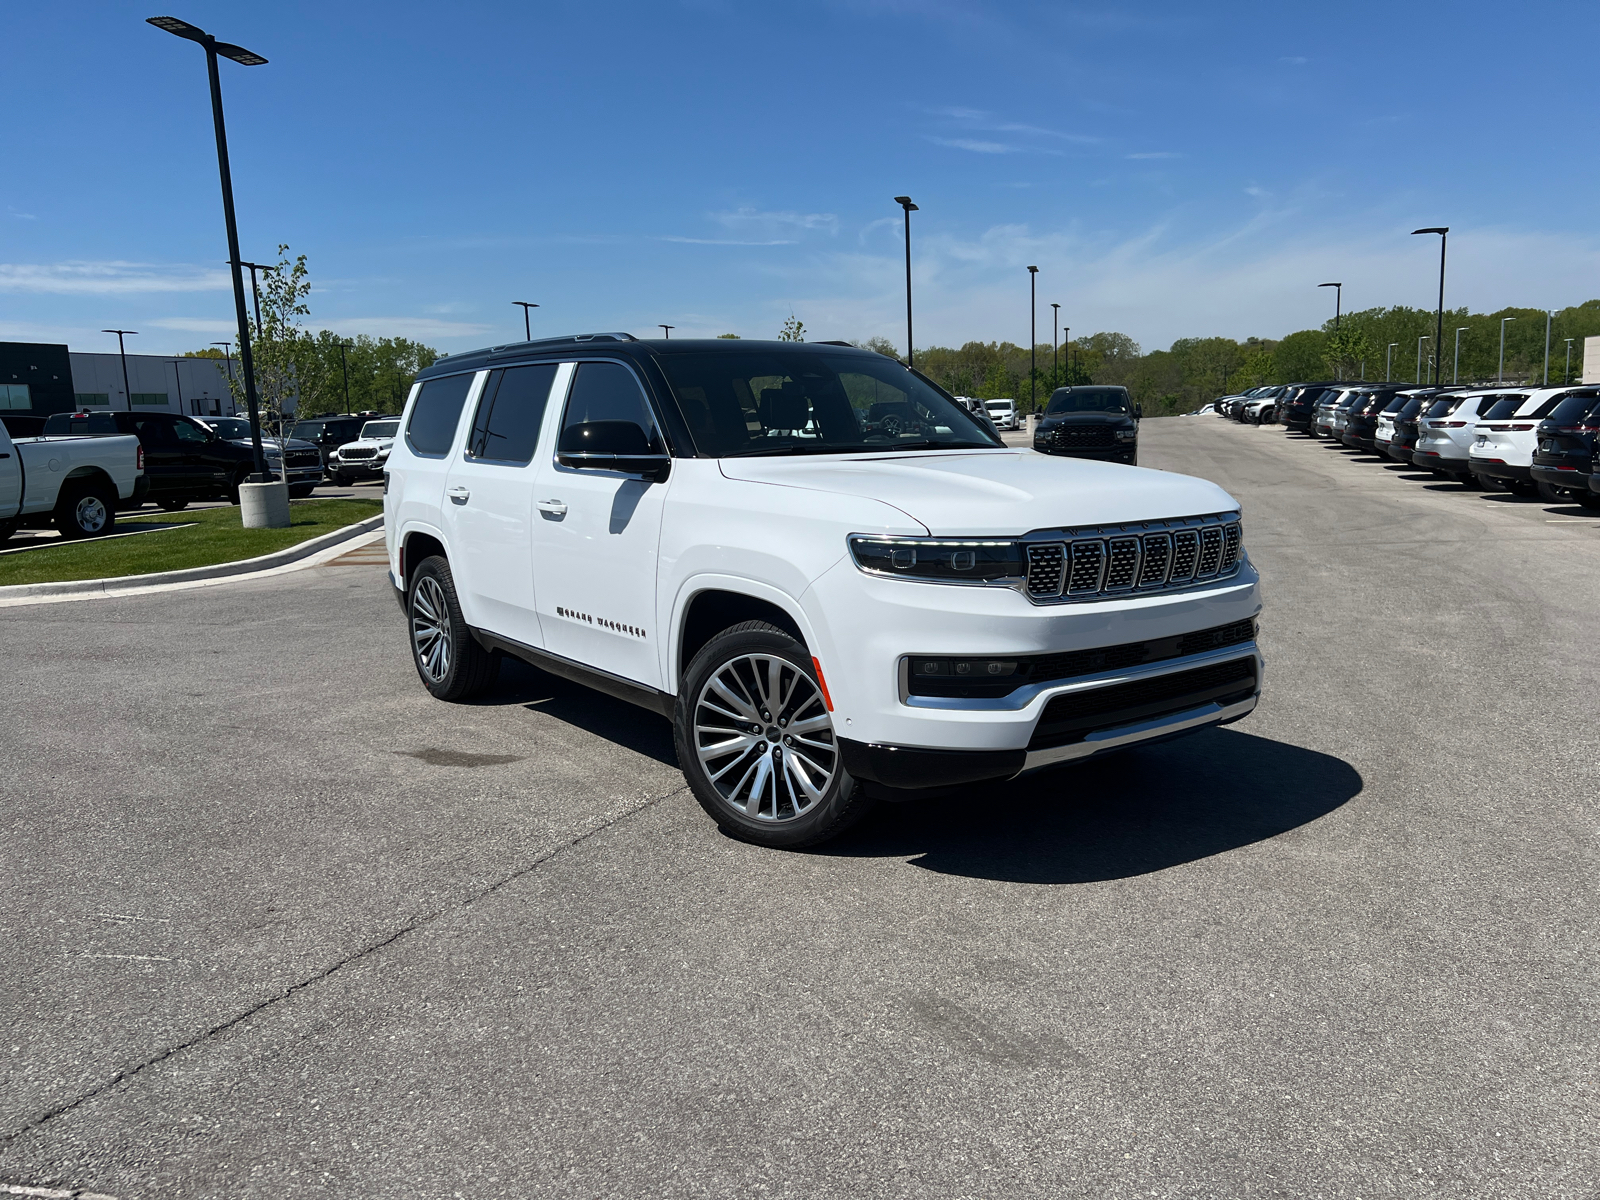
x: 617, y: 343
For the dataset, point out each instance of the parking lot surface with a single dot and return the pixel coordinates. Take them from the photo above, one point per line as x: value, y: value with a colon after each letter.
x: 277, y: 923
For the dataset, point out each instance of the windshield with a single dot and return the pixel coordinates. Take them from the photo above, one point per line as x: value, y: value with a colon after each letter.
x: 231, y: 429
x: 786, y: 402
x: 1504, y: 407
x: 1087, y: 399
x: 380, y: 429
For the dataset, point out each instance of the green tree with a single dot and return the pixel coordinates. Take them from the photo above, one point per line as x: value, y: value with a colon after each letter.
x: 1346, y: 352
x: 793, y: 330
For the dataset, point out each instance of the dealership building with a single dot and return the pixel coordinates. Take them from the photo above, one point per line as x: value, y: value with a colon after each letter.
x: 39, y: 378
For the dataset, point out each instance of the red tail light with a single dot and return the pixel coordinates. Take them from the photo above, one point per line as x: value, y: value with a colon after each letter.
x: 138, y: 459
x: 1522, y: 427
x: 1455, y: 424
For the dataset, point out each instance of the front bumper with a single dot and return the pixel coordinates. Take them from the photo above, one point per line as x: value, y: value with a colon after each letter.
x: 1116, y: 454
x: 367, y: 468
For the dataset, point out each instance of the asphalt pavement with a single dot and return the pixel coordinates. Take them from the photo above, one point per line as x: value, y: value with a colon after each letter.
x: 276, y: 923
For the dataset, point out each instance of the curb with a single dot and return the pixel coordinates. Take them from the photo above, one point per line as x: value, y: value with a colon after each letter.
x: 131, y: 583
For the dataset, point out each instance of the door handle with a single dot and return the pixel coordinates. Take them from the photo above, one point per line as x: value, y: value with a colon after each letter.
x: 554, y: 509
x: 458, y: 494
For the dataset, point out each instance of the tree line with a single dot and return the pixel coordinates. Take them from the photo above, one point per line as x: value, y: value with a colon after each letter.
x: 1373, y: 344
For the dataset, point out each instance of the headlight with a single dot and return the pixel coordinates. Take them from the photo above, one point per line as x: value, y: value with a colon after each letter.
x: 941, y: 560
x: 1127, y: 435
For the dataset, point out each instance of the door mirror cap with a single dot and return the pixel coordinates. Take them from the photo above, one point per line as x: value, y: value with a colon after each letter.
x: 620, y: 446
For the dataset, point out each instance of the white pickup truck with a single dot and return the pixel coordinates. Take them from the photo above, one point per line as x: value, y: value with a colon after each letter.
x: 74, y: 483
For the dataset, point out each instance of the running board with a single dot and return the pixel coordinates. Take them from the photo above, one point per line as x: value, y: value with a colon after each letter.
x: 591, y: 677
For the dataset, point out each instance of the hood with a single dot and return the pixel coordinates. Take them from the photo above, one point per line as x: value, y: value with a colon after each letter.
x: 1087, y: 418
x: 994, y: 492
x: 269, y: 444
x: 381, y: 443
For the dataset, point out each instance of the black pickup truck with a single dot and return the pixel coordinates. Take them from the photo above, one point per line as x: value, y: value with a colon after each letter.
x: 1090, y: 421
x: 184, y: 460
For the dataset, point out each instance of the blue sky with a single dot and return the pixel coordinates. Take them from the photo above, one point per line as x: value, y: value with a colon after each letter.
x: 1174, y: 169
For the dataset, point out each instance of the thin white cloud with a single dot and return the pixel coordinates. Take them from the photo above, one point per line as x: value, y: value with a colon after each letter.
x: 974, y: 145
x: 195, y: 324
x: 21, y: 216
x: 110, y: 278
x: 1257, y: 192
x: 690, y: 241
x: 750, y: 218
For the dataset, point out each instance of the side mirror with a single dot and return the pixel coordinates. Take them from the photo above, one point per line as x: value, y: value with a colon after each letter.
x: 1138, y: 411
x: 612, y: 446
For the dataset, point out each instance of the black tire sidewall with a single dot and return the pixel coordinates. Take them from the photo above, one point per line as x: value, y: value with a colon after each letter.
x: 842, y: 805
x: 468, y: 660
x: 66, y: 519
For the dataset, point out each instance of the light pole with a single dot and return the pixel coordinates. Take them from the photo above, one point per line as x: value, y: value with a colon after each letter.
x: 255, y: 289
x: 905, y: 203
x: 1066, y: 344
x: 1420, y: 340
x: 345, y: 367
x: 1033, y: 338
x: 1567, y: 377
x: 1055, y: 346
x: 178, y: 375
x: 1455, y: 375
x: 122, y: 353
x: 1443, y: 231
x: 1500, y: 372
x: 245, y: 58
x: 527, y: 329
x: 667, y: 331
x: 1338, y: 300
x: 1388, y: 362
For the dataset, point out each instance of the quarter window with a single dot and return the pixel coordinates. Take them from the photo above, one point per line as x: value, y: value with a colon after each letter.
x: 188, y: 433
x: 436, y: 413
x: 511, y: 413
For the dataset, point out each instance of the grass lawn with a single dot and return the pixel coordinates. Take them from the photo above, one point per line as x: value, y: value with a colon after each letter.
x: 216, y: 537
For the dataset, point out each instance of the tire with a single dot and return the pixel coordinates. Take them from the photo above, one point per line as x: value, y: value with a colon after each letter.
x: 239, y: 477
x: 341, y: 480
x: 449, y: 660
x: 789, y: 789
x: 7, y: 528
x: 300, y: 491
x: 173, y: 505
x: 1589, y: 499
x: 1554, y: 495
x: 86, y: 510
x: 1521, y: 487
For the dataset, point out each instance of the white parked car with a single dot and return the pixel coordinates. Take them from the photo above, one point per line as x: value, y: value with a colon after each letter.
x: 73, y: 483
x: 365, y: 457
x: 1501, y: 454
x: 1003, y: 413
x: 1446, y: 432
x: 835, y: 582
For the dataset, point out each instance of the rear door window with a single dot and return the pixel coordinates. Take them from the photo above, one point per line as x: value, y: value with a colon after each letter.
x: 511, y: 413
x: 436, y: 413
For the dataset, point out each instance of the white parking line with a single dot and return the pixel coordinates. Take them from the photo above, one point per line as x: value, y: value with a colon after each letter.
x: 15, y: 1189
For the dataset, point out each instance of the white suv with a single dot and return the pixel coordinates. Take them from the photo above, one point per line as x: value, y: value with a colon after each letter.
x: 1003, y: 413
x: 835, y: 582
x: 1446, y: 432
x: 1506, y: 437
x: 365, y: 457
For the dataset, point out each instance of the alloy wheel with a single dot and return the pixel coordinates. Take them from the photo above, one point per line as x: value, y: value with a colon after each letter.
x: 430, y: 628
x: 764, y: 738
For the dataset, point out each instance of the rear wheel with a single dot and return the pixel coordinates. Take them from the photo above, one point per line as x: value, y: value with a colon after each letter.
x: 173, y: 505
x: 239, y: 477
x: 1521, y: 487
x: 300, y: 491
x: 86, y: 510
x: 1589, y: 499
x: 1554, y: 495
x: 755, y: 739
x: 449, y: 660
x: 7, y: 528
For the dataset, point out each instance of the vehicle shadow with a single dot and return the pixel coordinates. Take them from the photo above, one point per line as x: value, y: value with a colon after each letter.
x: 1125, y: 815
x: 617, y: 721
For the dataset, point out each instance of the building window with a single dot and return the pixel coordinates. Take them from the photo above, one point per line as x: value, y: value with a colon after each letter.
x: 92, y: 400
x: 15, y: 395
x: 150, y: 399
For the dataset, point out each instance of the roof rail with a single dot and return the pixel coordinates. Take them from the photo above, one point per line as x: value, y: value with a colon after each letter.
x: 568, y: 340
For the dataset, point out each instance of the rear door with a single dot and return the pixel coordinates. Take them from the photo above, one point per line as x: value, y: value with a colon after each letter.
x: 489, y: 501
x: 163, y: 455
x: 205, y: 470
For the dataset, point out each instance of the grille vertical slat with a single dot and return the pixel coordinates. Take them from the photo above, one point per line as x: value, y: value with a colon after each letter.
x: 1231, y: 538
x: 1185, y: 554
x: 1210, y: 552
x: 1088, y: 566
x: 1122, y: 564
x: 1157, y: 557
x: 1046, y: 565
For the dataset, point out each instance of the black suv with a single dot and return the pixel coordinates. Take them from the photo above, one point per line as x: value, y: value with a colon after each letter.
x: 1361, y: 427
x: 327, y: 434
x: 1564, y: 456
x: 1090, y: 421
x: 1404, y: 442
x: 1298, y: 401
x: 183, y: 459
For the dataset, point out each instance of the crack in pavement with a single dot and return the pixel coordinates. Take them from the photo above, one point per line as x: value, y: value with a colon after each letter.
x: 411, y: 926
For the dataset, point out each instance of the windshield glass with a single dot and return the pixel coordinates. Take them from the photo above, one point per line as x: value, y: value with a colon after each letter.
x: 1504, y: 407
x: 1087, y: 399
x: 380, y: 429
x: 231, y: 429
x: 785, y: 402
x: 1573, y: 408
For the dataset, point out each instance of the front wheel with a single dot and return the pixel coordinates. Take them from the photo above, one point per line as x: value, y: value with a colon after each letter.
x: 755, y: 738
x: 449, y: 660
x: 299, y: 491
x: 173, y: 505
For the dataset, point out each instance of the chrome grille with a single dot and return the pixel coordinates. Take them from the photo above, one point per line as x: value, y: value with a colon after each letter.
x: 1149, y: 556
x: 1045, y: 564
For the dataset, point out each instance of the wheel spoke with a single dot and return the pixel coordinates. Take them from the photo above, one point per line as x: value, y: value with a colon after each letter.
x: 741, y: 706
x: 758, y: 787
x: 797, y: 774
x: 824, y: 721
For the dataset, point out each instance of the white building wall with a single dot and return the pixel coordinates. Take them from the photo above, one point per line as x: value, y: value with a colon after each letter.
x: 196, y: 386
x: 1591, y: 360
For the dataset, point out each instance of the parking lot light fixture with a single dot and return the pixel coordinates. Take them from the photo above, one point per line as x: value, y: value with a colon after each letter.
x: 527, y: 329
x: 1338, y: 300
x: 345, y: 367
x: 1455, y: 375
x: 905, y: 203
x: 1500, y: 371
x: 247, y: 58
x: 122, y: 353
x: 255, y: 288
x: 1438, y: 330
x: 666, y: 331
x: 1388, y: 362
x: 1033, y: 337
x: 1055, y: 346
x: 1547, y: 315
x: 1567, y: 378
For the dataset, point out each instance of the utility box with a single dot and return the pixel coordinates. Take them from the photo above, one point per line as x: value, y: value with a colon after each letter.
x: 1591, y: 360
